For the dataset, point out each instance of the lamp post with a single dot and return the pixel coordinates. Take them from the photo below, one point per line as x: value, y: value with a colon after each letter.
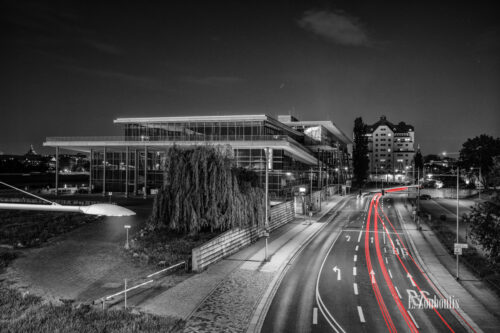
x: 96, y: 209
x: 126, y: 243
x: 458, y: 203
x: 338, y: 180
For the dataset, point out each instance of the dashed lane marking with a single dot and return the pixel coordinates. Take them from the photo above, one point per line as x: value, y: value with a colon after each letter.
x: 355, y: 257
x: 315, y: 316
x: 361, y: 316
x: 413, y: 319
x: 355, y: 285
x: 354, y: 271
x: 397, y: 290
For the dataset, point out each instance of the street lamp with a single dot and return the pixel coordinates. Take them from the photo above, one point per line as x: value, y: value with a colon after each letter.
x: 458, y: 202
x: 96, y: 209
x: 126, y: 243
x: 338, y: 180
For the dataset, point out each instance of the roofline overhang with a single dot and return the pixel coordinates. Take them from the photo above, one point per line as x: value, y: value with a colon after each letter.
x: 85, y: 146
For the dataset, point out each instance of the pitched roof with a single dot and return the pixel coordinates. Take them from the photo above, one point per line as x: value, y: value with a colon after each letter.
x: 402, y: 127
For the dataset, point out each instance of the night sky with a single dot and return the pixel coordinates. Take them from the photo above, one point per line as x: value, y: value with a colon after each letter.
x: 69, y: 68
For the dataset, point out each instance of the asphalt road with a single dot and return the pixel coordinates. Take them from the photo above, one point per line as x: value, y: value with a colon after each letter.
x: 358, y: 275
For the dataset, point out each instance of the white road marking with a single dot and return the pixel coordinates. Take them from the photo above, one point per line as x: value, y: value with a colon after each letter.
x: 397, y: 290
x: 355, y: 285
x: 315, y: 316
x: 336, y: 269
x: 390, y: 274
x: 386, y: 261
x: 411, y: 279
x: 413, y: 319
x: 371, y: 238
x: 355, y: 257
x: 361, y: 316
x: 360, y: 234
x: 354, y: 271
x: 357, y: 247
x: 348, y: 237
x: 385, y: 250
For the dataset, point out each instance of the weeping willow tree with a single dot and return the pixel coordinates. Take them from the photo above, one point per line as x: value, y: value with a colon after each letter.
x: 201, y: 191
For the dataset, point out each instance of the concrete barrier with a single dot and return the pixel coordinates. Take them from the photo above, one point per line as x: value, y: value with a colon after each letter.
x: 232, y: 241
x: 448, y: 193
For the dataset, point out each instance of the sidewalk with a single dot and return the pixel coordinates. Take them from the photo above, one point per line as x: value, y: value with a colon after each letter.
x: 225, y: 296
x: 478, y: 304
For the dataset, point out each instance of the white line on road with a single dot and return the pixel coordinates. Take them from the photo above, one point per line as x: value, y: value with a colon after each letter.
x: 413, y: 319
x: 315, y: 316
x: 361, y: 316
x: 360, y: 234
x: 355, y: 257
x: 390, y: 274
x: 354, y: 271
x: 355, y: 285
x: 386, y: 261
x: 397, y: 290
x: 385, y: 250
x: 357, y: 247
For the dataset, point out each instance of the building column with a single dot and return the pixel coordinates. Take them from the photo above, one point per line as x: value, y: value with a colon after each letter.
x: 145, y: 194
x: 136, y: 170
x: 57, y: 171
x: 104, y: 173
x: 90, y: 172
x: 127, y: 156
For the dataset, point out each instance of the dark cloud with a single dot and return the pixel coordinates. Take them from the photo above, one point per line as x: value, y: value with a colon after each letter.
x: 336, y: 26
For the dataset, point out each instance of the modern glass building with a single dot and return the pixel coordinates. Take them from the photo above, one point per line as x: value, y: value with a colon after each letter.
x: 299, y: 153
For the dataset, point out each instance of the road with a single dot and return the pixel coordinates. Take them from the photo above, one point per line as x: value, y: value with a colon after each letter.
x: 357, y: 275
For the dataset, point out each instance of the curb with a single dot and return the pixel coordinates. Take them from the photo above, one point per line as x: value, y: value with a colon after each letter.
x: 260, y: 311
x: 435, y: 281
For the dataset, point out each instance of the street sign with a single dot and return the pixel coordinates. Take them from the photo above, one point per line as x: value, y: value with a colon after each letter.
x: 458, y: 251
x: 461, y: 245
x: 266, y: 234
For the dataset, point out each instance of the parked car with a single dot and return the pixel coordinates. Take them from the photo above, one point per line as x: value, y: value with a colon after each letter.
x: 425, y: 197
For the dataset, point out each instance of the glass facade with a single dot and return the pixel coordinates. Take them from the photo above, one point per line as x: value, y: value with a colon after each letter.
x: 298, y: 156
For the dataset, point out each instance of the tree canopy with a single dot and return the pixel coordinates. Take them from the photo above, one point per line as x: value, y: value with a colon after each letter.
x: 484, y: 220
x: 360, y: 159
x: 480, y: 152
x: 202, y: 191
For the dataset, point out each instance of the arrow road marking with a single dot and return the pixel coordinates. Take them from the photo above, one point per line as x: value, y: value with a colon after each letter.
x: 336, y: 269
x: 372, y: 273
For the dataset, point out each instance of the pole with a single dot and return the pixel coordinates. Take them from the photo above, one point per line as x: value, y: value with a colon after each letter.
x: 125, y: 293
x: 90, y: 172
x: 418, y: 199
x: 266, y: 224
x: 104, y: 173
x: 458, y: 172
x: 127, y: 160
x: 310, y: 187
x: 57, y: 171
x: 145, y: 194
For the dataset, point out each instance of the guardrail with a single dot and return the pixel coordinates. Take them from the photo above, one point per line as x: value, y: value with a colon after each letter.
x: 126, y: 289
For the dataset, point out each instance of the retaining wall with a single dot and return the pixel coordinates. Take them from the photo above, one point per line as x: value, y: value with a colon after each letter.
x: 449, y: 193
x: 233, y: 240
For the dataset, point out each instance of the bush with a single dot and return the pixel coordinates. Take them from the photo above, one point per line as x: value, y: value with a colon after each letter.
x: 28, y: 314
